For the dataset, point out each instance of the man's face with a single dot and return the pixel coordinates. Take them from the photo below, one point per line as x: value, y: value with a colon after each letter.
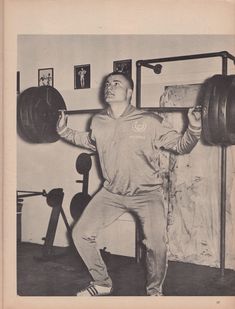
x: 117, y: 89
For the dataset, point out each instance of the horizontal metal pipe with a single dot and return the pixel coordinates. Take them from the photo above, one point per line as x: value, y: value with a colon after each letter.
x: 226, y: 54
x: 187, y: 57
x: 147, y: 65
x: 30, y: 195
x: 23, y: 191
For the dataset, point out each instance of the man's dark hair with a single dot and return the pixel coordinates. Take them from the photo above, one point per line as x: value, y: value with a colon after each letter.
x: 127, y: 77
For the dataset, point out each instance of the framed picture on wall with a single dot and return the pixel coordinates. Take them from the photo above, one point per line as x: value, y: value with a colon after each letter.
x: 46, y: 77
x: 123, y: 66
x: 82, y: 76
x: 185, y: 95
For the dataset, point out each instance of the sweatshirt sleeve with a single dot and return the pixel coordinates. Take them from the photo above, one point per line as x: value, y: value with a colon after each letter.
x: 80, y: 139
x: 171, y: 140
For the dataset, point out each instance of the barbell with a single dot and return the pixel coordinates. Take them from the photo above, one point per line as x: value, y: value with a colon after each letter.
x: 38, y: 111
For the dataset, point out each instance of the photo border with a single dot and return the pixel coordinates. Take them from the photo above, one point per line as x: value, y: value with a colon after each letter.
x: 52, y: 76
x: 87, y: 84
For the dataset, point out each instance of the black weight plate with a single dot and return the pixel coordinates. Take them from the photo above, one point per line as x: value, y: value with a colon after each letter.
x: 32, y: 116
x: 230, y: 112
x: 51, y: 102
x: 27, y: 114
x: 20, y: 124
x: 83, y: 163
x: 20, y: 116
x: 54, y: 197
x: 213, y: 109
x: 41, y: 123
x: 217, y: 100
x: 24, y: 122
x: 224, y: 110
x: 204, y: 100
x: 78, y: 204
x: 37, y: 114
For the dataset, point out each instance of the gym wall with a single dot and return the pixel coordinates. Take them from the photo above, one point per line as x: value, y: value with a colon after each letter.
x: 194, y: 232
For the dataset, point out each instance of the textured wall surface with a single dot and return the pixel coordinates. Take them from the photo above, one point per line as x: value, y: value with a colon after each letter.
x: 194, y: 200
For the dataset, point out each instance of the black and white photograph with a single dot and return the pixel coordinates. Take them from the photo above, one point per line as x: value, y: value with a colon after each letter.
x: 143, y: 160
x: 123, y: 66
x: 82, y: 76
x: 118, y: 170
x: 46, y: 77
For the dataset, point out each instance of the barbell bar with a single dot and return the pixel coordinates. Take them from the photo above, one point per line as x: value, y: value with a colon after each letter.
x: 38, y: 110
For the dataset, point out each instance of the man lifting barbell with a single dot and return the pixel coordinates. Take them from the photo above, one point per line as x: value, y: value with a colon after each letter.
x: 129, y: 143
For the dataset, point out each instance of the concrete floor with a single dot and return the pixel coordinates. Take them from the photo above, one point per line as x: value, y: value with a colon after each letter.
x: 65, y: 274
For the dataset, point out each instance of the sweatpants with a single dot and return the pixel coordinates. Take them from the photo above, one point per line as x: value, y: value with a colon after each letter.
x: 107, y: 207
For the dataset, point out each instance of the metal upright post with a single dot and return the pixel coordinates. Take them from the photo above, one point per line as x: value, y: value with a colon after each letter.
x: 56, y: 205
x: 138, y: 248
x: 223, y: 154
x: 223, y: 188
x: 223, y: 209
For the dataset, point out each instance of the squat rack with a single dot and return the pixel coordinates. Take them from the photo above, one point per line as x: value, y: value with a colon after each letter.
x: 156, y: 67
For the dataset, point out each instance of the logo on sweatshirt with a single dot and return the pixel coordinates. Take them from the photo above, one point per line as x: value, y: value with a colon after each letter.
x: 139, y: 126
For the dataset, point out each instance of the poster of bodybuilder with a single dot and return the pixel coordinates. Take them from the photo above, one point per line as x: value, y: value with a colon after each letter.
x: 111, y: 200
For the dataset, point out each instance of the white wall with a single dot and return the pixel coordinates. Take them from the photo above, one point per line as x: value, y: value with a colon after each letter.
x: 47, y: 166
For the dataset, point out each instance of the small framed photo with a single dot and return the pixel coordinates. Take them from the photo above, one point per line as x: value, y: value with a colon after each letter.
x: 123, y: 66
x: 46, y: 77
x: 82, y: 76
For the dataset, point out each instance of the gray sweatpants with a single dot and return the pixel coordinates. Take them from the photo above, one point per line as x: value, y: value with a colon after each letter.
x: 107, y: 207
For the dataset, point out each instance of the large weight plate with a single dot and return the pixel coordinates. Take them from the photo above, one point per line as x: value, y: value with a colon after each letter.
x: 213, y: 111
x: 50, y: 102
x: 24, y: 122
x: 83, y: 163
x: 37, y: 114
x: 204, y: 100
x: 32, y: 115
x: 230, y: 112
x: 78, y: 204
x: 224, y: 110
x: 54, y: 197
x: 218, y: 110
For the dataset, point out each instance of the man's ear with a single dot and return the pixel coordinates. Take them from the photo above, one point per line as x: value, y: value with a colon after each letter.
x: 129, y: 93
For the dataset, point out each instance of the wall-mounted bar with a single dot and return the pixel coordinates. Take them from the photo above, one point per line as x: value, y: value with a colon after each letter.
x: 225, y: 56
x: 223, y: 201
x: 148, y: 64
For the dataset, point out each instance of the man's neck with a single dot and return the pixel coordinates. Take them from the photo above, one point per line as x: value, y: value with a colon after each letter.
x: 118, y: 108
